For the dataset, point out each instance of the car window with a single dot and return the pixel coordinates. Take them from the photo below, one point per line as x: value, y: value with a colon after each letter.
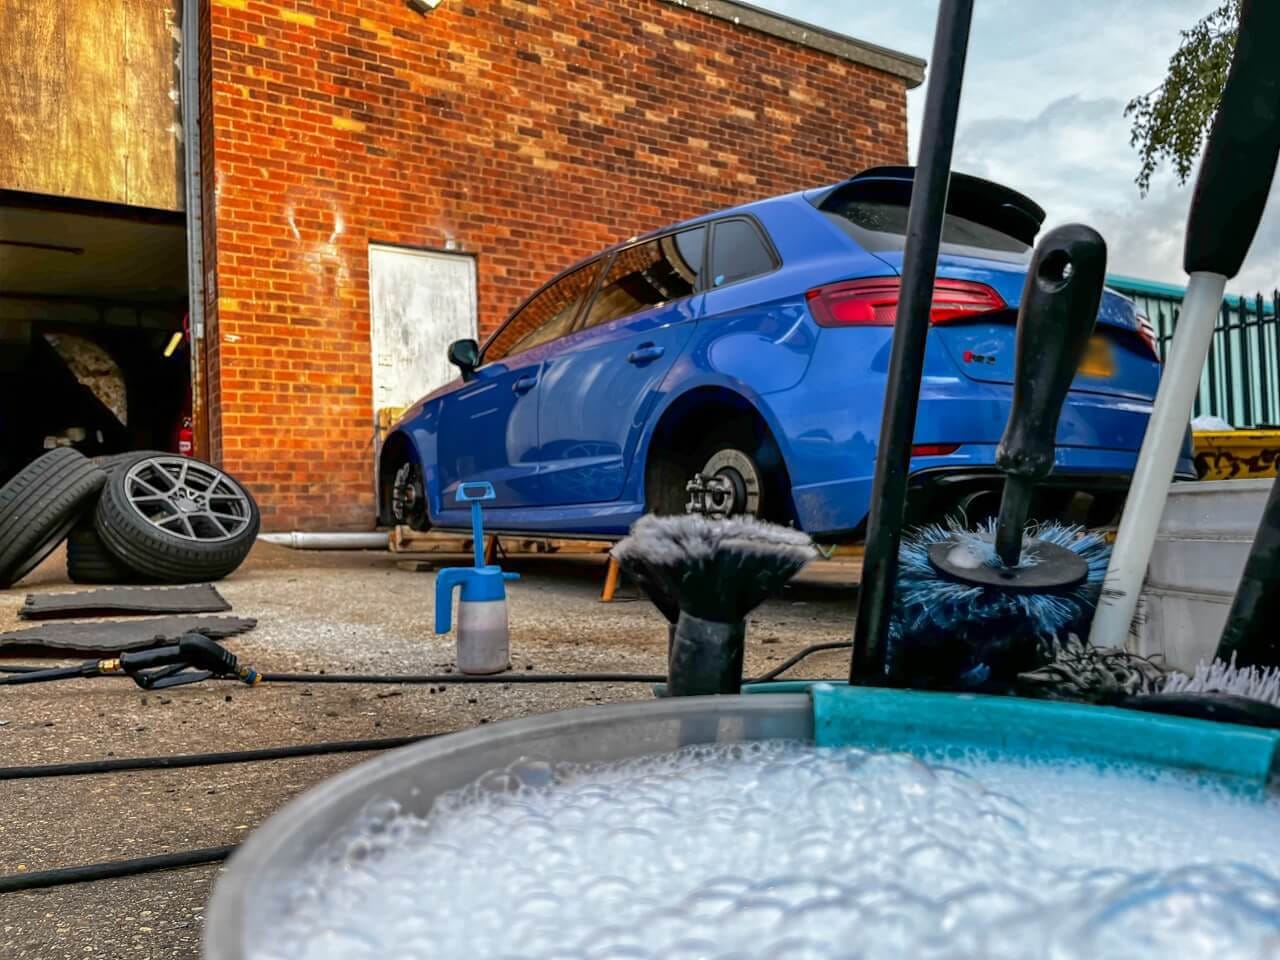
x: 738, y: 252
x: 649, y: 274
x: 547, y: 316
x: 880, y: 226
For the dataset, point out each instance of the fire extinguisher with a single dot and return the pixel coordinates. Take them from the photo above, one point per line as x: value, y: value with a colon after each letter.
x: 185, y: 441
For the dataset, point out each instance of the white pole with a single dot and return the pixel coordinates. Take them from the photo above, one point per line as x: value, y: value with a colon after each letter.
x: 305, y: 540
x: 1145, y: 503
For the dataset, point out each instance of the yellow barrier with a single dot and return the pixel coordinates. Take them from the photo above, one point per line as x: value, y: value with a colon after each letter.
x: 1236, y: 454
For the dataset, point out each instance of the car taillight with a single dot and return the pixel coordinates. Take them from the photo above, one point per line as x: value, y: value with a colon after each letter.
x: 1148, y: 334
x: 874, y: 302
x: 934, y: 449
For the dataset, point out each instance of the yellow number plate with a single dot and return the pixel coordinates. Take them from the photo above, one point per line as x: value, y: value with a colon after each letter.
x: 1098, y: 360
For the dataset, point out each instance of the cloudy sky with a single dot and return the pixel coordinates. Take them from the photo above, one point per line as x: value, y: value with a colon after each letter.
x: 1044, y: 95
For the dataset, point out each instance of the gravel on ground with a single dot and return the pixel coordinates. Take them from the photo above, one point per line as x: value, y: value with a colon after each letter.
x: 317, y: 611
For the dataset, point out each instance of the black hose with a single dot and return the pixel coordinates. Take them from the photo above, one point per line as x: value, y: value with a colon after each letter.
x: 412, y: 679
x: 790, y: 662
x: 463, y: 678
x: 40, y: 879
x: 116, y: 765
x: 172, y: 861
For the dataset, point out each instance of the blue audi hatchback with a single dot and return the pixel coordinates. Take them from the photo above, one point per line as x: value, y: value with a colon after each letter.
x: 736, y: 363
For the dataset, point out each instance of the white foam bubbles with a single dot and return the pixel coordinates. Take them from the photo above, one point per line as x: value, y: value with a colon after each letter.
x: 784, y: 851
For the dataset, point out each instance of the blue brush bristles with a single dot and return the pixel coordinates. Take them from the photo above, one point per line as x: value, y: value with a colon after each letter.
x: 949, y: 634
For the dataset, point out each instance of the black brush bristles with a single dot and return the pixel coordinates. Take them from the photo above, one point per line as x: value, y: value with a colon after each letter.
x: 716, y: 570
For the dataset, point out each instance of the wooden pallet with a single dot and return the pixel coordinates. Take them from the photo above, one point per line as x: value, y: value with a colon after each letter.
x: 407, y: 540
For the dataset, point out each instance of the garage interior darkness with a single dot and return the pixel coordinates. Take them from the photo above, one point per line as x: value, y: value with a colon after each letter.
x: 93, y: 348
x: 93, y: 235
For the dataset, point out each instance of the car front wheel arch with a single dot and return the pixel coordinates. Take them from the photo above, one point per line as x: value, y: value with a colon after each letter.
x: 401, y: 485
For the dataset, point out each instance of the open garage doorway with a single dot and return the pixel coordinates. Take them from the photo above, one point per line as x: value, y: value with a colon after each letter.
x: 94, y: 346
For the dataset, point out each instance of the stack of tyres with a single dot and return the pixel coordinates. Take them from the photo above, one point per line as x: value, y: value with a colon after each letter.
x: 143, y: 517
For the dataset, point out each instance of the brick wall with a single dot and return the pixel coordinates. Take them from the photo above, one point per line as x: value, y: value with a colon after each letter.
x: 529, y: 132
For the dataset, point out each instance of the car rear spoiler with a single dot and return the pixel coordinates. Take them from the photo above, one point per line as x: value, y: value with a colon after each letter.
x: 972, y: 198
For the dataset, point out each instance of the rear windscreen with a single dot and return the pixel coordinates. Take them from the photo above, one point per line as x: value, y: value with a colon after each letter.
x: 879, y: 227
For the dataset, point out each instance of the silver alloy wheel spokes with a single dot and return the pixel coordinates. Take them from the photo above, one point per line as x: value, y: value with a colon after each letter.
x: 187, y: 498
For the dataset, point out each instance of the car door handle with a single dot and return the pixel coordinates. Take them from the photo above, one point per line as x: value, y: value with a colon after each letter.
x: 524, y: 384
x: 645, y: 353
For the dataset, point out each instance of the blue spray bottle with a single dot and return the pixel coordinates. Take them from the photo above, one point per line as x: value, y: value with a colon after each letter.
x: 484, y: 643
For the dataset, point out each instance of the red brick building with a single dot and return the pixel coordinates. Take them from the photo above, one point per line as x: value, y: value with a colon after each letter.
x: 518, y: 135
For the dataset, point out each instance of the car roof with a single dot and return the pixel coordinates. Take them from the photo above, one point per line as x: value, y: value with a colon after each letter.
x: 1025, y: 210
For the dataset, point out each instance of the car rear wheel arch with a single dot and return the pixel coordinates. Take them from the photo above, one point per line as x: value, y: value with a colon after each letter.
x: 694, y: 428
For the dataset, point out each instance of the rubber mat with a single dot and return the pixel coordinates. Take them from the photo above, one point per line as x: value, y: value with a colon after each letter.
x: 112, y: 601
x: 94, y: 639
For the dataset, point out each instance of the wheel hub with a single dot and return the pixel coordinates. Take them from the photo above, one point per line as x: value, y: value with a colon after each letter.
x: 187, y: 499
x: 406, y: 495
x: 728, y: 485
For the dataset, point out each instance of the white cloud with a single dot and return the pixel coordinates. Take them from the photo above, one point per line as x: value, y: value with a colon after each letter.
x: 1043, y: 104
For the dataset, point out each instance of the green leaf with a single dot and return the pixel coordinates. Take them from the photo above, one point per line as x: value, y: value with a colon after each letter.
x: 1170, y: 122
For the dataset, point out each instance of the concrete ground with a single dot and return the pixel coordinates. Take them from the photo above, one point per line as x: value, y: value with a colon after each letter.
x: 336, y: 612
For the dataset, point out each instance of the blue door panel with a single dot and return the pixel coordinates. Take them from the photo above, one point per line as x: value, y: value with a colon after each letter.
x: 489, y: 431
x: 597, y: 394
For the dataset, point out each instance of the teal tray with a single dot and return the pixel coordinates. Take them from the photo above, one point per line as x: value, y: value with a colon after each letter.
x: 950, y: 724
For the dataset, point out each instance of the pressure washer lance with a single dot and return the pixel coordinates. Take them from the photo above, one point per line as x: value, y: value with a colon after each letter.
x: 717, y: 572
x: 194, y: 658
x: 1230, y: 194
x: 979, y: 606
x: 484, y: 639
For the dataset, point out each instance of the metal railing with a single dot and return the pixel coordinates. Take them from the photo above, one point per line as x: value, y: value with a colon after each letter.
x: 1241, y: 379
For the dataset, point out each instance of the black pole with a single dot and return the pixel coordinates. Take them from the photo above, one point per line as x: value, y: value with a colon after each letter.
x: 906, y: 363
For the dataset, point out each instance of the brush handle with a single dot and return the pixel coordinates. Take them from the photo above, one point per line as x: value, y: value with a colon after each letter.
x: 1055, y: 319
x: 705, y: 657
x: 1244, y: 142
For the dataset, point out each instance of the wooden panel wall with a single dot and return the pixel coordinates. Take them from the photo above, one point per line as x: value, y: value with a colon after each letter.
x: 87, y: 100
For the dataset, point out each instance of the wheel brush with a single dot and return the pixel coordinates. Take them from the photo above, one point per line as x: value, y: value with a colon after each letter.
x: 985, y: 605
x: 707, y: 576
x: 1219, y: 691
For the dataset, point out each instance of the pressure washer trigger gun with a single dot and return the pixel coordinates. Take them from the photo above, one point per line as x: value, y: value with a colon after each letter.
x: 192, y: 659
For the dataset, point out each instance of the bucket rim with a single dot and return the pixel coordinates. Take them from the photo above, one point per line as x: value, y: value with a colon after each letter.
x: 225, y: 915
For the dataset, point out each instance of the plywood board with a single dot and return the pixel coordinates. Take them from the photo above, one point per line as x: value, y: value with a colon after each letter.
x: 86, y: 104
x: 420, y: 301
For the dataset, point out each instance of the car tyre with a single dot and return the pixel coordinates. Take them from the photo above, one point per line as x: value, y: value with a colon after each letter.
x: 176, y: 519
x: 88, y: 559
x: 40, y: 505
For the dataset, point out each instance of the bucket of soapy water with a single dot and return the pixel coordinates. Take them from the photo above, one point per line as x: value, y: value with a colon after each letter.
x: 835, y: 822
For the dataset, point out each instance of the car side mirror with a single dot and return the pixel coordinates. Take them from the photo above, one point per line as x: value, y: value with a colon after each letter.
x: 465, y: 355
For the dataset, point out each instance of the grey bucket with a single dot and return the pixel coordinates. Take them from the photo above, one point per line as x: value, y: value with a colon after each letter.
x: 246, y: 901
x: 243, y: 904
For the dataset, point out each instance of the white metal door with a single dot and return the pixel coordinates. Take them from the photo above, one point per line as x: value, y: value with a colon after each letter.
x: 420, y: 301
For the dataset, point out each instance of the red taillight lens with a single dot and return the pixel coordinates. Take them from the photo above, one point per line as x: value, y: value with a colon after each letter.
x: 1148, y: 334
x: 874, y: 302
x: 934, y: 449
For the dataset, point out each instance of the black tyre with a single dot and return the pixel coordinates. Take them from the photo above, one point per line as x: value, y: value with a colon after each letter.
x: 40, y: 505
x: 176, y: 519
x: 89, y: 561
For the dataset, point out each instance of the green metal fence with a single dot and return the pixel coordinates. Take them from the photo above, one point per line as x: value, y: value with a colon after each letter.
x: 1241, y: 378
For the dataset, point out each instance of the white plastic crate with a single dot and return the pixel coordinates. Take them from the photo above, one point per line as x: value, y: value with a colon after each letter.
x: 1200, y: 552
